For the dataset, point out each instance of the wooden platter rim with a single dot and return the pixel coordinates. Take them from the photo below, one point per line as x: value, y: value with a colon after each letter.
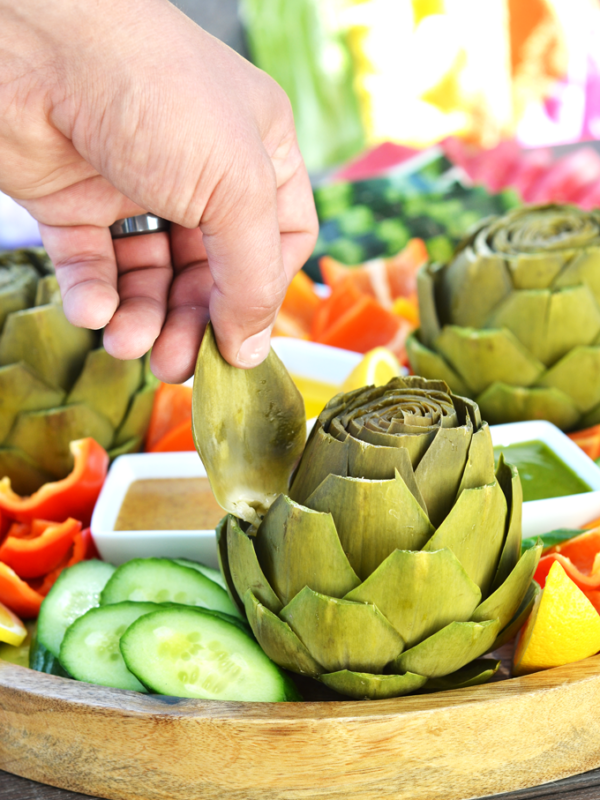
x: 51, y: 687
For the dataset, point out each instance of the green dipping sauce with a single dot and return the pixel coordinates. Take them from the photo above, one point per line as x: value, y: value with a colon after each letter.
x: 543, y: 474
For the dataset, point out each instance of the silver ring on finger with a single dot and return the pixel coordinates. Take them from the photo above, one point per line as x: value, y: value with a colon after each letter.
x: 138, y: 226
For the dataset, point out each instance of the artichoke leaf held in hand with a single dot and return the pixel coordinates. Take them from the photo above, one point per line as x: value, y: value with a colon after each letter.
x: 249, y: 427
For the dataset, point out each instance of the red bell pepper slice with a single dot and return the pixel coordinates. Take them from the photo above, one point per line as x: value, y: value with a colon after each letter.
x: 83, y: 548
x: 73, y: 496
x: 38, y: 555
x: 17, y: 595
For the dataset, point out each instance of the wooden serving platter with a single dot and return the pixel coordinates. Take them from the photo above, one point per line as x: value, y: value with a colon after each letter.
x: 445, y: 746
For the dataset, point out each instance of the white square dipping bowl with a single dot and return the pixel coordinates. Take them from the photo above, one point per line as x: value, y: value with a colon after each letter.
x: 117, y: 547
x: 572, y: 511
x: 317, y: 361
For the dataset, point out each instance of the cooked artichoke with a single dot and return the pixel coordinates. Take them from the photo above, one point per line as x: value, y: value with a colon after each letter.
x: 56, y: 383
x: 393, y: 562
x: 513, y: 320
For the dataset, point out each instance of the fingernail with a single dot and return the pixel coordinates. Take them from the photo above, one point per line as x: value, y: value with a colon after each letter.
x: 255, y: 349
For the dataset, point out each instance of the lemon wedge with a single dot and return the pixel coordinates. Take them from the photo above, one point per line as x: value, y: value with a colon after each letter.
x: 12, y: 630
x: 563, y: 627
x: 376, y: 368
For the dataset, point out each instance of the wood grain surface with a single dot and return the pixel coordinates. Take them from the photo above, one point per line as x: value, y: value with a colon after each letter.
x: 578, y: 787
x: 445, y: 746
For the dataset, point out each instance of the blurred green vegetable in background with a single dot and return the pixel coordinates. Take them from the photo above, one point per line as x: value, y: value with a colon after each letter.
x: 300, y: 44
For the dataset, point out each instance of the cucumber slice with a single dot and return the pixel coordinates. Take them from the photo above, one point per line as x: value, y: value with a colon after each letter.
x: 186, y: 652
x: 242, y: 624
x: 42, y: 660
x: 160, y: 580
x: 75, y: 592
x: 90, y: 649
x: 213, y: 574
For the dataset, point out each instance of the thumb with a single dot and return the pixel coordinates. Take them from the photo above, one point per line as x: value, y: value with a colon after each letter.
x: 243, y: 243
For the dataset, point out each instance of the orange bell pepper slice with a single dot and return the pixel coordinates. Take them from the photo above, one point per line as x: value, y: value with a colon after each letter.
x: 402, y: 268
x: 177, y: 440
x: 172, y: 407
x: 343, y: 297
x: 399, y: 271
x: 73, y: 496
x: 588, y: 440
x: 301, y: 301
x: 17, y: 595
x: 32, y: 557
x: 364, y: 326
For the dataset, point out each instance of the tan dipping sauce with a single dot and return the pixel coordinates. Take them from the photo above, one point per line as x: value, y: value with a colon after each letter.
x: 162, y: 504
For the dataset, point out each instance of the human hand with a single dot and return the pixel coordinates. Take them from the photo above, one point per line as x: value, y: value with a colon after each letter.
x: 110, y: 109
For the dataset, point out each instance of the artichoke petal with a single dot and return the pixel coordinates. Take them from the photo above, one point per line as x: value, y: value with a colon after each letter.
x: 483, y: 357
x: 510, y: 483
x: 426, y: 289
x: 340, y: 634
x: 106, y: 384
x: 416, y: 446
x: 137, y: 417
x: 537, y: 270
x: 525, y: 314
x: 591, y: 418
x: 456, y: 302
x: 45, y: 435
x: 577, y: 375
x: 366, y: 686
x: 133, y: 445
x: 573, y: 319
x: 479, y: 469
x: 44, y: 339
x: 380, y: 464
x: 474, y: 531
x: 504, y: 602
x: 359, y: 507
x: 440, y: 470
x: 246, y: 572
x: 26, y: 477
x: 221, y: 536
x: 323, y: 456
x: 428, y: 363
x: 22, y: 390
x: 287, y: 533
x: 278, y: 640
x: 583, y: 268
x: 477, y: 672
x: 520, y: 617
x: 17, y: 289
x: 419, y: 592
x: 249, y: 427
x: 448, y: 650
x: 502, y: 403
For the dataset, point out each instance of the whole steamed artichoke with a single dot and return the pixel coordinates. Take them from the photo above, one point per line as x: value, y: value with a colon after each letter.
x: 56, y: 383
x: 513, y: 320
x: 393, y: 560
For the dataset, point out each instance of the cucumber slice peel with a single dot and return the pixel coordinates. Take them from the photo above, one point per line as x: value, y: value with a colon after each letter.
x: 214, y: 575
x: 75, y: 592
x: 161, y: 580
x: 186, y: 652
x: 90, y: 648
